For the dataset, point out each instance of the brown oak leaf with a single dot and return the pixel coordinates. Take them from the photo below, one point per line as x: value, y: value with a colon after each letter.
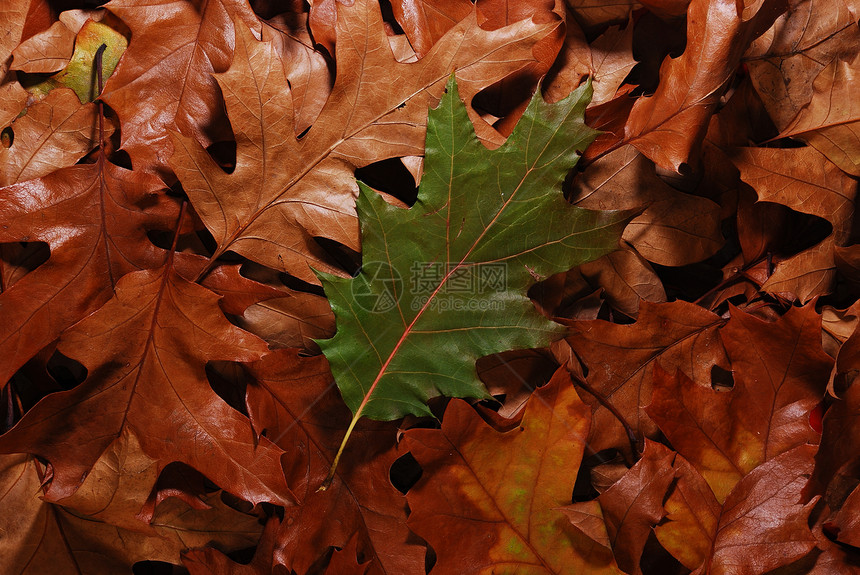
x: 668, y: 127
x: 154, y: 91
x: 294, y: 402
x: 104, y: 212
x: 803, y: 180
x: 42, y: 537
x: 780, y: 372
x: 477, y: 523
x: 633, y: 505
x: 54, y: 133
x: 145, y: 351
x: 620, y: 361
x: 674, y: 228
x: 309, y: 182
x: 764, y: 515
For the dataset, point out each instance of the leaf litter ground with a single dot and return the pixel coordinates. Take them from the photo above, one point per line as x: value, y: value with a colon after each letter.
x: 670, y: 339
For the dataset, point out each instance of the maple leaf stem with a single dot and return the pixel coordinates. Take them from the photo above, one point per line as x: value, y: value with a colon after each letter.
x: 333, y: 469
x: 628, y: 429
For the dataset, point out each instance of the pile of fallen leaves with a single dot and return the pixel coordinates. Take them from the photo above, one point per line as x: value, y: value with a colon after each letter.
x: 429, y: 287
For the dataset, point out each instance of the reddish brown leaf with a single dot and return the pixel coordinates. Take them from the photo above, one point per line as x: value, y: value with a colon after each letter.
x: 14, y: 16
x: 841, y: 427
x: 515, y: 374
x: 802, y: 180
x: 634, y: 504
x: 668, y: 127
x: 626, y: 279
x: 620, y: 361
x: 171, y: 88
x: 105, y: 212
x: 476, y: 522
x: 674, y: 229
x: 831, y: 120
x: 591, y: 15
x: 847, y: 520
x: 208, y: 561
x: 296, y: 403
x: 587, y: 516
x: 306, y: 69
x: 764, y: 516
x: 692, y: 515
x: 41, y: 537
x: 780, y: 372
x: 49, y: 51
x: 800, y: 64
x: 55, y: 133
x: 146, y: 350
x: 426, y: 22
x: 786, y: 59
x: 294, y: 321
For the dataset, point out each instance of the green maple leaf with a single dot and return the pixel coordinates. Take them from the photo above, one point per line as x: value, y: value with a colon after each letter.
x: 444, y: 283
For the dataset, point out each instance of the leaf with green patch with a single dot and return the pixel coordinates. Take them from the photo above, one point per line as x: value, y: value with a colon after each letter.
x: 491, y: 502
x: 444, y: 283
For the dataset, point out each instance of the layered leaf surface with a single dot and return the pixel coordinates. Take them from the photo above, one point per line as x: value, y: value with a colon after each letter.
x: 621, y: 359
x: 42, y: 537
x: 55, y: 133
x: 157, y: 90
x: 94, y: 218
x: 764, y: 514
x: 146, y: 350
x: 487, y: 525
x: 451, y: 273
x: 295, y: 402
x: 781, y: 373
x: 668, y: 127
x: 377, y: 110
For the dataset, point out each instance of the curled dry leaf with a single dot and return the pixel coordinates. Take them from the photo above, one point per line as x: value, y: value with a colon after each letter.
x: 593, y: 15
x: 802, y: 180
x: 634, y: 504
x: 626, y: 279
x: 307, y: 71
x: 294, y: 321
x: 785, y: 60
x: 674, y: 228
x: 802, y: 69
x: 668, y: 127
